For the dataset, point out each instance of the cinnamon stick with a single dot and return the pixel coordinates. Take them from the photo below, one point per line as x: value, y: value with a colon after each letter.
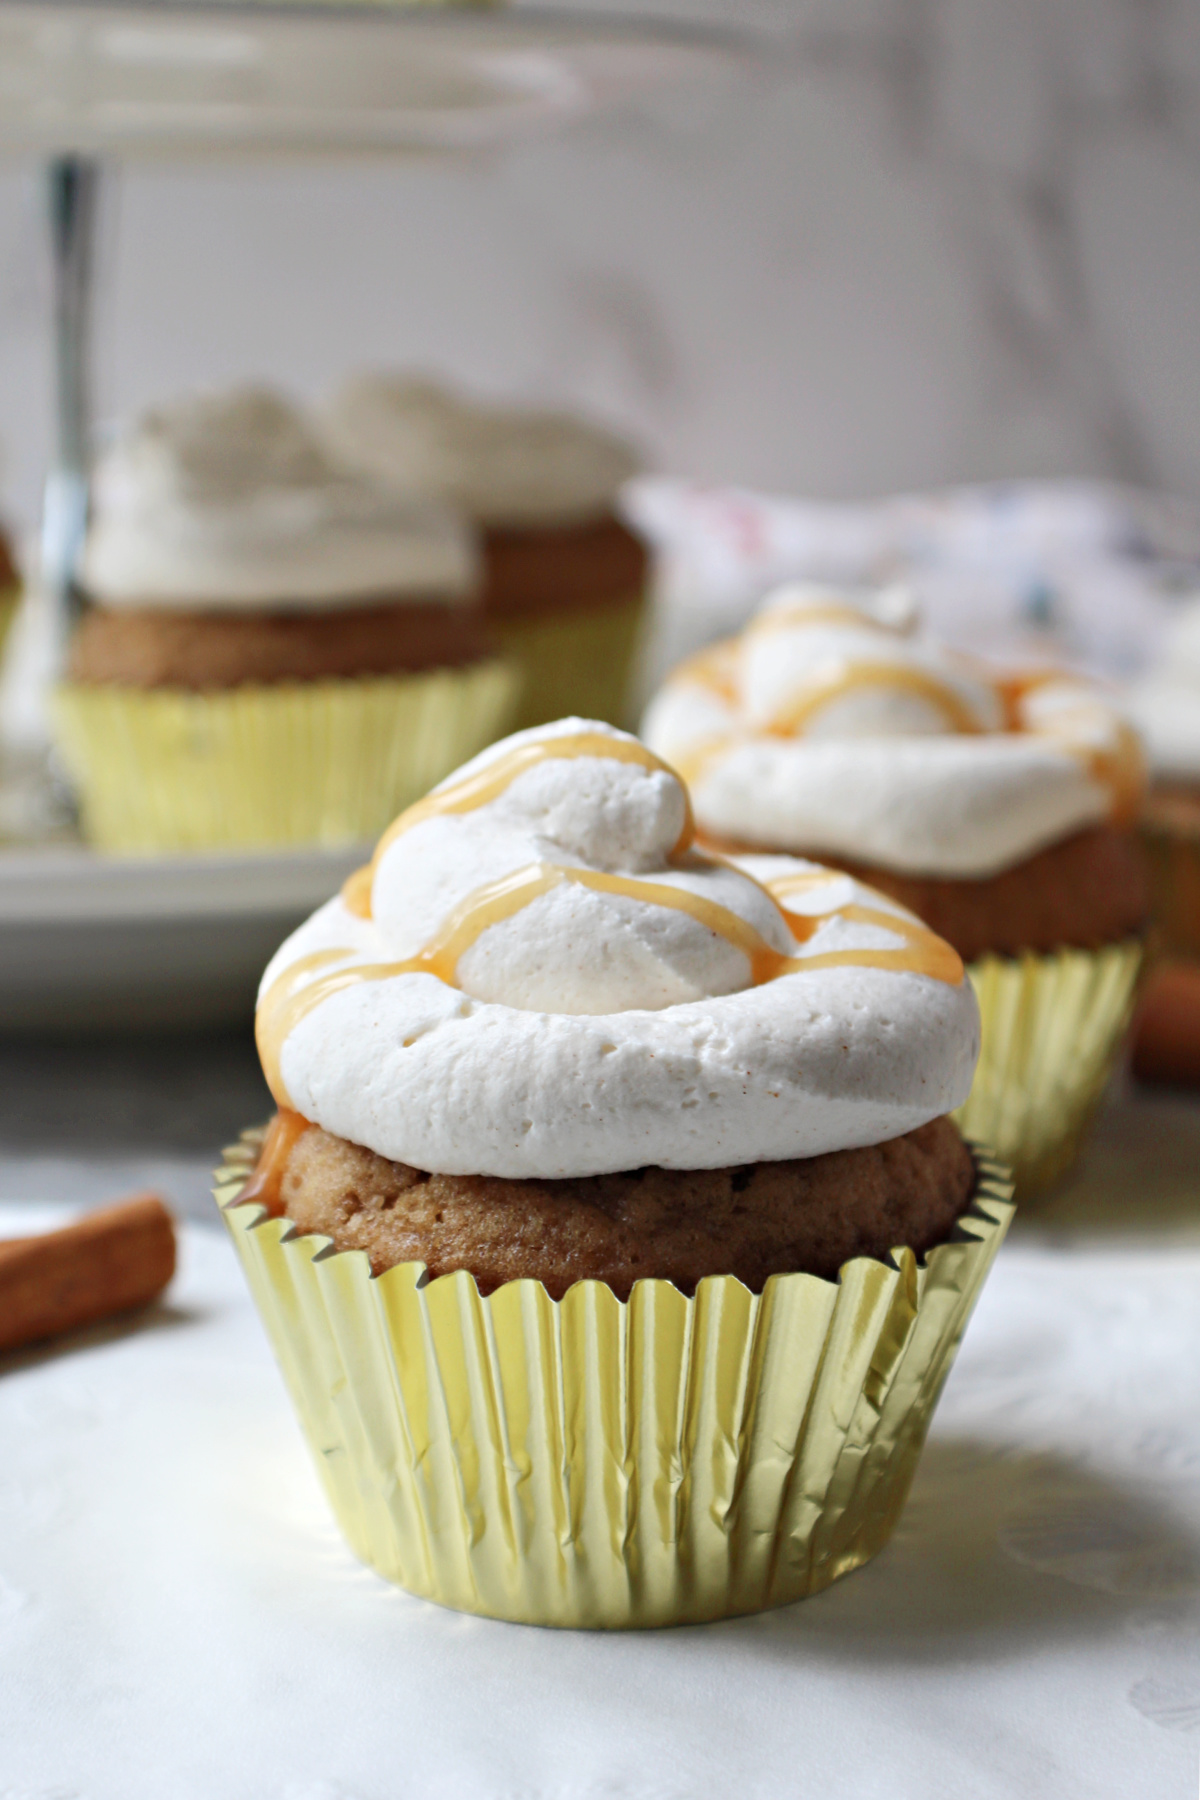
x: 110, y: 1261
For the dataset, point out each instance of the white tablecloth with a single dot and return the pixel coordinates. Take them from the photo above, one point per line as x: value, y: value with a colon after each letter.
x: 180, y: 1621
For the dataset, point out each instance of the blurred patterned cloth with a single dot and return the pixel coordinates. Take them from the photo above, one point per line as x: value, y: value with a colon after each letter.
x: 1081, y: 571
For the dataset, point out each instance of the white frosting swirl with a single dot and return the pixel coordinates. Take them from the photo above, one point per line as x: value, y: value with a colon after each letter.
x: 829, y: 728
x: 229, y: 501
x: 1165, y: 706
x: 590, y: 995
x: 502, y: 466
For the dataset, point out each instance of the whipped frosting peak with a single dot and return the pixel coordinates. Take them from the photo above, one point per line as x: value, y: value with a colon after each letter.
x: 502, y: 465
x: 227, y: 501
x: 834, y: 726
x: 538, y: 974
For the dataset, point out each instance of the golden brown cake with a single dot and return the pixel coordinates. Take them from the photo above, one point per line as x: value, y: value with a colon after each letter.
x: 676, y: 1225
x: 533, y: 571
x: 139, y: 647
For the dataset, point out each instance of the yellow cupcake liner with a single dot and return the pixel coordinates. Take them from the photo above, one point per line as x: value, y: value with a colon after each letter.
x: 593, y: 1462
x: 576, y: 662
x: 265, y: 767
x: 1174, y: 862
x: 10, y: 599
x: 1052, y: 1029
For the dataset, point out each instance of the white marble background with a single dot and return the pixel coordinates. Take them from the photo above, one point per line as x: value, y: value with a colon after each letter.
x: 935, y: 240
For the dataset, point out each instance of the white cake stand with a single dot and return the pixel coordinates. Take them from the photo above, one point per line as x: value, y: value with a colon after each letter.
x: 85, y: 82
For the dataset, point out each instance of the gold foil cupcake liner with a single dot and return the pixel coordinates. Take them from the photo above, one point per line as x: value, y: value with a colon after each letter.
x: 10, y: 599
x: 1052, y: 1030
x: 576, y: 662
x: 262, y: 767
x: 594, y: 1462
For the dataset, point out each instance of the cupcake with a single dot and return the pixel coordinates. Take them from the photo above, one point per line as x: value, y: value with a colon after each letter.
x: 611, y: 1233
x: 1166, y: 708
x: 274, y: 651
x: 998, y: 806
x: 564, y: 580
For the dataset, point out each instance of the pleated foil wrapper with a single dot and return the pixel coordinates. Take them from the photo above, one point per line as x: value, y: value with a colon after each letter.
x: 1052, y: 1032
x: 10, y: 599
x: 267, y: 767
x: 577, y: 662
x: 599, y: 1463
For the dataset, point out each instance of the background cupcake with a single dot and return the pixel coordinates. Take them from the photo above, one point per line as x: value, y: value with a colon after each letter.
x: 274, y: 651
x: 999, y: 807
x: 1166, y: 708
x: 564, y: 579
x: 618, y: 1148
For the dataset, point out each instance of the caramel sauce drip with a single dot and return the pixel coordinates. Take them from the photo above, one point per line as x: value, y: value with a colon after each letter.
x: 266, y: 1183
x: 1123, y: 771
x: 478, y: 789
x: 1120, y: 766
x: 294, y: 995
x: 1015, y: 685
x: 356, y: 891
x: 277, y: 1013
x: 958, y: 715
x: 713, y: 668
x: 921, y: 953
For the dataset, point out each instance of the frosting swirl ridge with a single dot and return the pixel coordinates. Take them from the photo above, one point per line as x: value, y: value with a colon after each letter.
x: 538, y: 975
x: 228, y: 501
x: 504, y: 466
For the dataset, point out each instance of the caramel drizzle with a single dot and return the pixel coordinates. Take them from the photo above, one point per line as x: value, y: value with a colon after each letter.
x: 266, y: 1182
x: 1015, y: 685
x: 791, y: 721
x: 293, y: 995
x: 712, y: 668
x: 922, y: 952
x: 496, y: 778
x: 1120, y: 767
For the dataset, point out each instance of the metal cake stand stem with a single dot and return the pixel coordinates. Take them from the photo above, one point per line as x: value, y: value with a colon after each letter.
x: 72, y: 191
